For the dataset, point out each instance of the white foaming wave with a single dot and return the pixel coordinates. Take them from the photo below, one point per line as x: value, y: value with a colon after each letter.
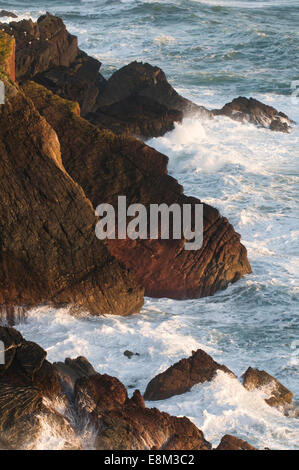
x: 220, y: 407
x: 164, y: 39
x: 225, y: 406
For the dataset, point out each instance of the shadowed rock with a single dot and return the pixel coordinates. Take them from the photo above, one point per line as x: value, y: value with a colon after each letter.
x: 278, y: 394
x: 138, y: 100
x: 108, y: 166
x: 49, y: 251
x: 233, y: 443
x: 253, y: 111
x: 29, y: 387
x: 47, y: 52
x: 8, y: 14
x: 179, y: 378
x: 125, y: 424
x: 72, y: 369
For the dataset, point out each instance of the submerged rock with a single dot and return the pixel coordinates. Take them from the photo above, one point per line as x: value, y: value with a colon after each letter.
x: 251, y: 110
x: 49, y: 251
x: 179, y: 378
x: 278, y: 394
x: 126, y: 424
x: 108, y: 166
x: 233, y: 443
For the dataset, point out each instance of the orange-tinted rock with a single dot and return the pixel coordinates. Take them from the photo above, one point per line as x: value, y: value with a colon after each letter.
x: 179, y: 378
x: 48, y: 251
x: 108, y: 166
x: 7, y: 55
x: 125, y: 424
x: 233, y: 443
x: 278, y: 394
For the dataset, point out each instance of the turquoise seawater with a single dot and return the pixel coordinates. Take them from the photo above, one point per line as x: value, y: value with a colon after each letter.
x: 211, y: 52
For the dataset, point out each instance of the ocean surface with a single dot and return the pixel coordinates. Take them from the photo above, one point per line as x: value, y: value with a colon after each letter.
x: 211, y: 52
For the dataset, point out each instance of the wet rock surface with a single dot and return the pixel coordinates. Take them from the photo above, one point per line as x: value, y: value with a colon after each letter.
x: 251, y: 110
x: 179, y: 378
x: 108, y: 166
x: 229, y: 442
x: 278, y: 394
x: 59, y: 261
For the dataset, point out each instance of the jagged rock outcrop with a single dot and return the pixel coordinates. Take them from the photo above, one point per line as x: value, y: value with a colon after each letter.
x: 48, y: 250
x: 29, y: 387
x: 179, y: 378
x: 71, y: 370
x: 8, y: 14
x: 108, y: 166
x: 138, y: 100
x: 7, y: 55
x: 229, y: 442
x: 47, y: 52
x: 126, y: 424
x: 41, y: 45
x: 278, y: 394
x: 251, y: 110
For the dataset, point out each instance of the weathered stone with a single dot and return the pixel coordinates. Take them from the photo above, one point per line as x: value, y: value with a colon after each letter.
x: 278, y: 394
x: 179, y: 378
x: 49, y: 251
x: 233, y: 443
x: 125, y: 424
x: 108, y: 166
x: 251, y: 110
x: 7, y: 55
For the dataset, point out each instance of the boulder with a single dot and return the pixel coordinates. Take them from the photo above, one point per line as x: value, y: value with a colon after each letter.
x: 7, y: 55
x: 25, y: 364
x: 179, y: 378
x: 8, y: 14
x: 41, y: 45
x: 233, y: 443
x: 251, y: 110
x: 138, y: 100
x: 48, y: 251
x: 72, y: 369
x: 277, y: 394
x: 108, y: 166
x: 29, y: 389
x: 80, y: 82
x: 126, y: 424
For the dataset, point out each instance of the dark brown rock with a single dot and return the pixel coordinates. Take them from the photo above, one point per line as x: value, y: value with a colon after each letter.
x: 278, y: 394
x: 41, y: 45
x: 81, y: 81
x: 29, y: 389
x: 138, y: 100
x: 233, y: 443
x: 108, y: 166
x: 179, y: 378
x: 25, y: 364
x: 251, y: 110
x: 72, y: 369
x: 49, y: 252
x: 124, y: 424
x: 8, y: 14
